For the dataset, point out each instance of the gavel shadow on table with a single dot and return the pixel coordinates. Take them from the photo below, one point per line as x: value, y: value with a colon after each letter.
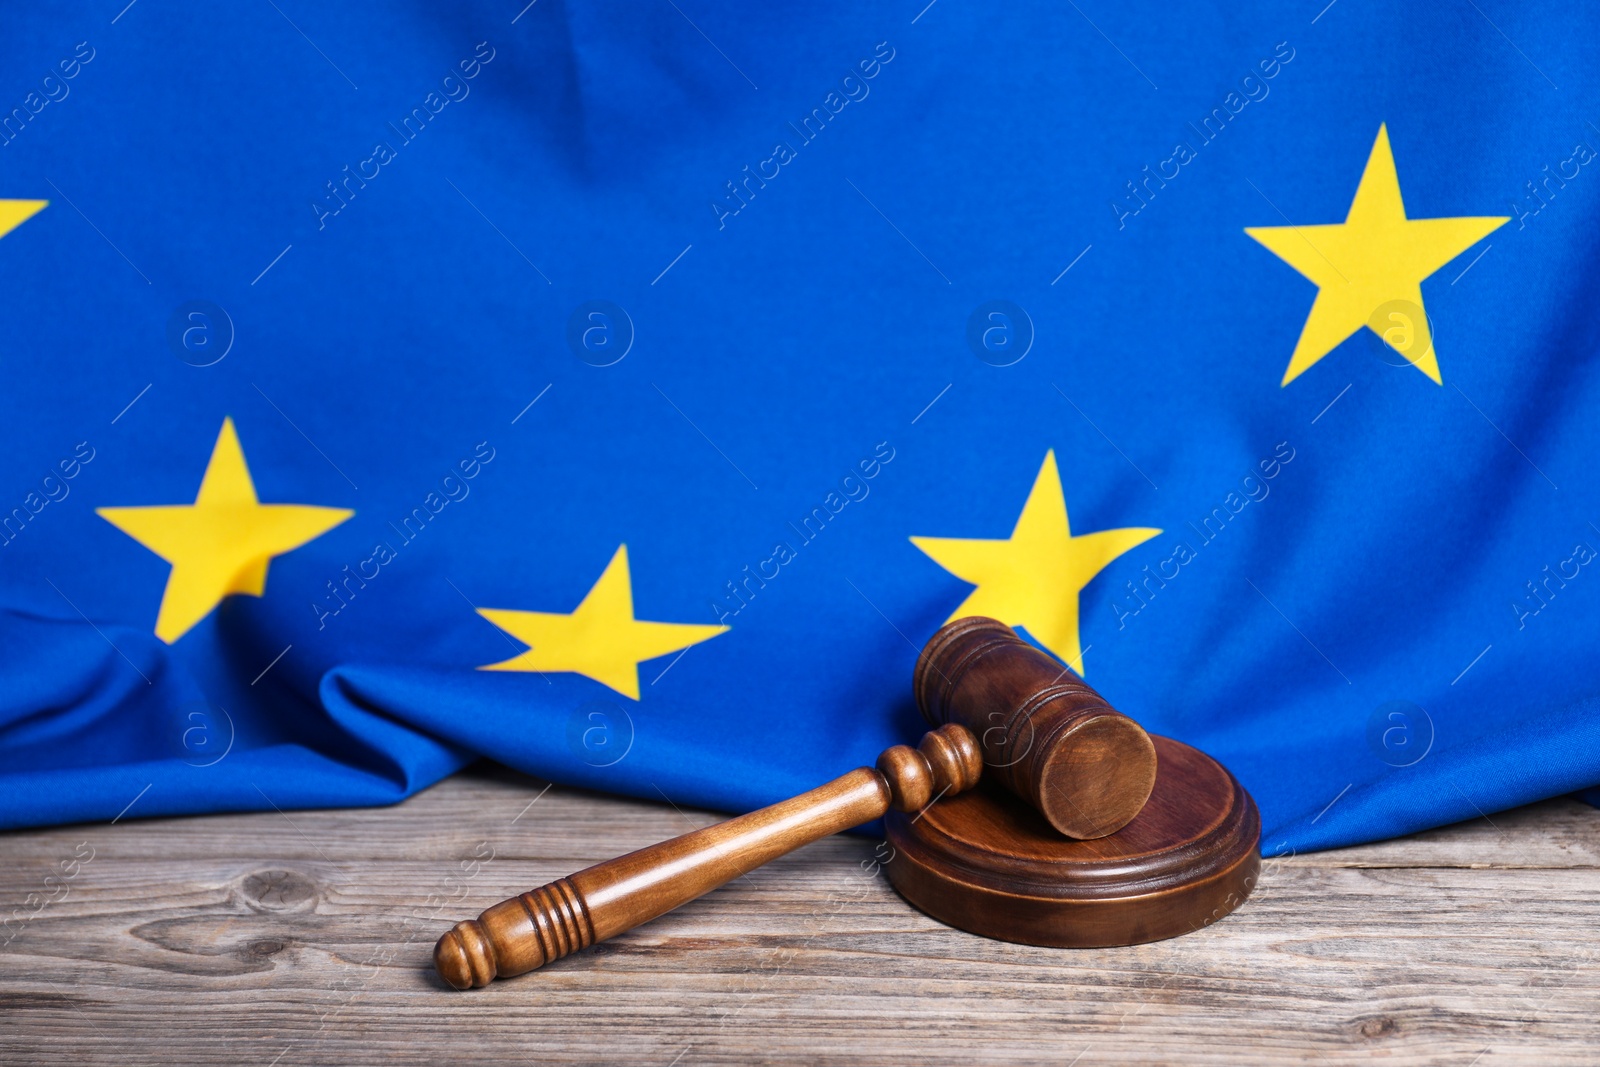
x: 1085, y: 831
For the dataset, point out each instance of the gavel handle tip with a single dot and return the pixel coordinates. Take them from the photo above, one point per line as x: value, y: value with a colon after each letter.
x: 464, y: 956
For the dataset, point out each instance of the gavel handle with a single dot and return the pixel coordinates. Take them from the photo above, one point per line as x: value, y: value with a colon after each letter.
x: 531, y: 930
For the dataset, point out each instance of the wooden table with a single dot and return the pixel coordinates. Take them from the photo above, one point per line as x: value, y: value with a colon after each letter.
x: 305, y: 938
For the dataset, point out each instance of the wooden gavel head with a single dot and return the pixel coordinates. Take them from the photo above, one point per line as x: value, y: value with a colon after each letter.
x: 1045, y: 735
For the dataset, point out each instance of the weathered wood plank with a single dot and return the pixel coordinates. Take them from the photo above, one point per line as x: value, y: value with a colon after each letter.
x: 305, y: 939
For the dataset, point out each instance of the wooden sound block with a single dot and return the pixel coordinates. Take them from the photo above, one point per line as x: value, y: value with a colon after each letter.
x: 988, y: 863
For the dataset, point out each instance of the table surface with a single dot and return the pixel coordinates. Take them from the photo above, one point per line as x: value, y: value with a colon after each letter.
x: 306, y: 937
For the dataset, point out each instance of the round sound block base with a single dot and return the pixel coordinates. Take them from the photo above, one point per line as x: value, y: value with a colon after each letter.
x: 987, y: 863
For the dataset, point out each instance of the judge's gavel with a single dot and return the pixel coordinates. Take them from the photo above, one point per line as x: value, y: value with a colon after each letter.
x: 996, y: 702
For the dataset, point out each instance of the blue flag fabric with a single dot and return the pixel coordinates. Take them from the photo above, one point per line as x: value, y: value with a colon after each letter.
x: 626, y: 391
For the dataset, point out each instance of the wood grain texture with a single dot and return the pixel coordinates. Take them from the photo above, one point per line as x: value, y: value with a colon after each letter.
x: 306, y: 939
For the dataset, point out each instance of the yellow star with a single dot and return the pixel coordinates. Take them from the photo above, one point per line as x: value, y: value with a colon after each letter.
x: 14, y: 213
x: 1033, y: 578
x: 1369, y: 268
x: 221, y: 543
x: 601, y: 639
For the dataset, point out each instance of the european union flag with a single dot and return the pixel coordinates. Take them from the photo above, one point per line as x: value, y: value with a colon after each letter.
x: 624, y: 392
